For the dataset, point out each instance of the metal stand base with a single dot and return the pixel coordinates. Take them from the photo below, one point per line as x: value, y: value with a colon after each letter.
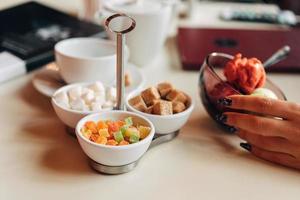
x: 113, y: 170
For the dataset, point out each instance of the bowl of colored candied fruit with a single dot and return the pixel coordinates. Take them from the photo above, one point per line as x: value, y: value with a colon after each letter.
x: 114, y: 138
x: 222, y: 75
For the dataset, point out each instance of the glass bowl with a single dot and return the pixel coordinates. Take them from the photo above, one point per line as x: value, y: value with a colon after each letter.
x: 213, y: 86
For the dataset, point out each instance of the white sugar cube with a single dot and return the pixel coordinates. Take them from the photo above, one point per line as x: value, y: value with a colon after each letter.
x: 97, y: 87
x: 96, y: 106
x: 75, y: 92
x: 88, y: 96
x: 62, y: 99
x: 100, y: 97
x: 85, y: 90
x: 108, y: 104
x: 78, y: 104
x: 93, y: 97
x: 111, y: 94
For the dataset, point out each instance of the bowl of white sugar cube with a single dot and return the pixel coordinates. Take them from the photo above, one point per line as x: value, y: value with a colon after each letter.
x: 75, y: 101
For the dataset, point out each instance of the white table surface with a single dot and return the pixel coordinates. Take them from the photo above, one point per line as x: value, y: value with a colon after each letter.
x: 39, y: 160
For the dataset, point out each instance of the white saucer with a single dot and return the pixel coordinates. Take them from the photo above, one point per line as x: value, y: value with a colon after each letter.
x: 47, y: 79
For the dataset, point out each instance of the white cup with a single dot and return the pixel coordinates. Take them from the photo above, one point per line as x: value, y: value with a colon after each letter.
x: 87, y: 60
x: 152, y: 21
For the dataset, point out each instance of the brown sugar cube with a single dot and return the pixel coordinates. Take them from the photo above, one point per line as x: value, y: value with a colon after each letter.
x: 178, y: 106
x: 149, y: 95
x: 149, y: 110
x: 176, y: 95
x: 138, y: 103
x: 163, y: 108
x: 135, y: 100
x: 154, y: 101
x: 141, y: 107
x: 164, y: 88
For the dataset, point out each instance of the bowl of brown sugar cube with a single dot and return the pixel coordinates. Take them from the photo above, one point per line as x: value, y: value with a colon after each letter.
x: 165, y: 106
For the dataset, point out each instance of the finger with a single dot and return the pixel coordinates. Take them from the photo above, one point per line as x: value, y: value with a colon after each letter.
x: 263, y: 126
x: 279, y: 158
x: 275, y: 144
x: 267, y: 106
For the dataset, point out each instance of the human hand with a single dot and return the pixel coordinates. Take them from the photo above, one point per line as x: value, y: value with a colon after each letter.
x: 271, y: 127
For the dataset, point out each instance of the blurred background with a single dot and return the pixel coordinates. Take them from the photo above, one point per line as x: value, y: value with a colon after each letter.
x: 30, y: 29
x: 75, y: 6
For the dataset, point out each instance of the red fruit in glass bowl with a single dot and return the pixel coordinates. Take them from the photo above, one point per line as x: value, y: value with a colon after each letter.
x: 245, y: 74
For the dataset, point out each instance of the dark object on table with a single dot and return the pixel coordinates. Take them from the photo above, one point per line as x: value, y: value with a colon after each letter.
x: 285, y: 17
x: 293, y: 5
x: 30, y: 31
x: 195, y: 43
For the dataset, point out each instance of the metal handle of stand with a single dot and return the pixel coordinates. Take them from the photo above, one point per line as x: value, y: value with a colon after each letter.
x: 120, y: 71
x: 120, y: 55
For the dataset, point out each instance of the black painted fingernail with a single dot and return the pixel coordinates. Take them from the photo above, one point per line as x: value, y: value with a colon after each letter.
x: 221, y: 118
x: 232, y: 129
x: 225, y: 102
x: 246, y: 146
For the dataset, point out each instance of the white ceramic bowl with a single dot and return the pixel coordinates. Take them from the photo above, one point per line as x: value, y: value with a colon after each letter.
x: 87, y: 59
x: 68, y: 116
x: 167, y: 123
x: 114, y: 155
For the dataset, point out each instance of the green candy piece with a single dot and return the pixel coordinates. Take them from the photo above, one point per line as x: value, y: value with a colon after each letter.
x: 130, y: 131
x: 128, y: 121
x: 123, y: 130
x: 118, y: 136
x: 134, y: 138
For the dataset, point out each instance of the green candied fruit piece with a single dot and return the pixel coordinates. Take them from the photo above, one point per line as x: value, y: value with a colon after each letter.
x: 118, y: 136
x: 123, y: 130
x: 131, y: 130
x: 134, y: 137
x: 128, y: 121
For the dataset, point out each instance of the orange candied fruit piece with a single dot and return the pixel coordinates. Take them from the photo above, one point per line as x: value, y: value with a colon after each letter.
x: 121, y: 123
x: 94, y: 137
x: 112, y: 142
x: 123, y: 142
x: 90, y: 125
x: 111, y: 136
x: 101, y: 140
x: 113, y: 127
x: 101, y: 125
